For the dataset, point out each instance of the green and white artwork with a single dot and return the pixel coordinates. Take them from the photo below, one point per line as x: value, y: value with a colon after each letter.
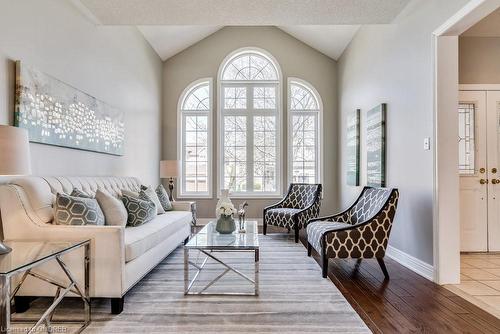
x: 375, y: 146
x: 56, y: 113
x: 352, y: 149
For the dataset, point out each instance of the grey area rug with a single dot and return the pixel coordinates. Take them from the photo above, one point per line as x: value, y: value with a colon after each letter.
x: 294, y: 298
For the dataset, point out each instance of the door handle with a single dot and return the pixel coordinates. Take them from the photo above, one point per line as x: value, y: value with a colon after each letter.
x: 495, y: 181
x: 493, y: 170
x: 483, y: 181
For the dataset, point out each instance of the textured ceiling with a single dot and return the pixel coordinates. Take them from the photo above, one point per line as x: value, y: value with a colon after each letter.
x: 167, y: 41
x: 330, y: 40
x: 244, y: 12
x: 487, y: 27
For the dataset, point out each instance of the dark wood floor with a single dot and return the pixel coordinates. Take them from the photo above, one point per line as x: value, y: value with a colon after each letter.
x: 407, y: 303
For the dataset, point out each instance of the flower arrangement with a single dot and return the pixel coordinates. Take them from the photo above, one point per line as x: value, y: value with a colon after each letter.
x: 227, y: 209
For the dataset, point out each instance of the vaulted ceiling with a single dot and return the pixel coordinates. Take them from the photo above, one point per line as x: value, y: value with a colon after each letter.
x: 170, y: 26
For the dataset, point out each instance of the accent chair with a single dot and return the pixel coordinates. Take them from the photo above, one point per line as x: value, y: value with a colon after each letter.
x: 360, y: 232
x: 301, y: 204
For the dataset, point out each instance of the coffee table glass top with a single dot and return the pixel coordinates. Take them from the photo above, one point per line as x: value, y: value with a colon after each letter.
x: 209, y: 238
x: 28, y: 253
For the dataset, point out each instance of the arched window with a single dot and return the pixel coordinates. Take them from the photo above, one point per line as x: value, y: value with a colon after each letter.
x: 304, y: 118
x: 195, y: 137
x: 250, y: 123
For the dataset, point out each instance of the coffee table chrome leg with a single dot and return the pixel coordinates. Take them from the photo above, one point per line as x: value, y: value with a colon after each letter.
x: 256, y: 279
x: 186, y: 270
x: 4, y: 304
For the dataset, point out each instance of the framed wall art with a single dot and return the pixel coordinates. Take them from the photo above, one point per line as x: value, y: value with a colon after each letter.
x: 375, y: 146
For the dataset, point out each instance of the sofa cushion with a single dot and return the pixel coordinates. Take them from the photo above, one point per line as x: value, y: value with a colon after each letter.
x: 163, y: 197
x: 71, y: 210
x: 140, y: 239
x: 113, y: 209
x: 150, y: 192
x: 140, y: 210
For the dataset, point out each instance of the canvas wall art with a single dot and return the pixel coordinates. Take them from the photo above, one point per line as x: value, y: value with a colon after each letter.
x: 352, y: 149
x: 375, y: 146
x: 56, y: 113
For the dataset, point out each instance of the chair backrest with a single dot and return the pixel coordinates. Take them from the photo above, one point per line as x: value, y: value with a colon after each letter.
x: 369, y: 203
x: 302, y: 195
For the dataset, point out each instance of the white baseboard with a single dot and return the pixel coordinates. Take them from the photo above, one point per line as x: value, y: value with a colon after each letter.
x: 204, y: 221
x: 420, y: 267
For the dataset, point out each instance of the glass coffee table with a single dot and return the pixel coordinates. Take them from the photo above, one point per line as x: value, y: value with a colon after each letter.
x: 24, y: 260
x: 209, y: 242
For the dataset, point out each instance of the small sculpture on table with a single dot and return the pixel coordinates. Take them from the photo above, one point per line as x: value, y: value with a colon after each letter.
x: 241, y: 216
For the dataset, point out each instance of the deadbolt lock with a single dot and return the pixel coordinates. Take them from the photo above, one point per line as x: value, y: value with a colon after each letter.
x: 495, y: 181
x: 482, y: 170
x: 493, y: 170
x: 483, y: 181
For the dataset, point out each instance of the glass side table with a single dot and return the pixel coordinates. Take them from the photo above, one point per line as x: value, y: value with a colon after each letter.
x: 25, y: 257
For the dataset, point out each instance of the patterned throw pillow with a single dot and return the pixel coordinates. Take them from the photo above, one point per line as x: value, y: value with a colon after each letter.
x: 149, y: 191
x: 163, y: 197
x: 71, y: 210
x: 140, y: 210
x: 78, y: 193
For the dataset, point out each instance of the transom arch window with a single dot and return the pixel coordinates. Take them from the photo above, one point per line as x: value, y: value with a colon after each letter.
x: 250, y: 124
x: 195, y: 137
x: 304, y: 127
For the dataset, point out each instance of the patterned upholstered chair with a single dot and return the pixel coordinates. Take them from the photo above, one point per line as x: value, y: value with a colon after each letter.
x: 360, y: 232
x: 301, y: 204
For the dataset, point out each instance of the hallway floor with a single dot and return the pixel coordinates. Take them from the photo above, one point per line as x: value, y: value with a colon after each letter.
x: 480, y: 281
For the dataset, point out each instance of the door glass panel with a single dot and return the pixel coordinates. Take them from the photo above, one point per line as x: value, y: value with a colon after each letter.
x: 466, y: 143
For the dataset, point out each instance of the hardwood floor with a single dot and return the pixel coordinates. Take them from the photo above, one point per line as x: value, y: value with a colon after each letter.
x: 407, y: 303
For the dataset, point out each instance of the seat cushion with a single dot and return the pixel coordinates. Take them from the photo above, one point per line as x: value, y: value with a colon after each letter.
x: 140, y: 239
x: 315, y: 231
x: 281, y: 217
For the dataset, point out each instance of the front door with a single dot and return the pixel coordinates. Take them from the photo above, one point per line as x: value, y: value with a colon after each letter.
x: 473, y: 171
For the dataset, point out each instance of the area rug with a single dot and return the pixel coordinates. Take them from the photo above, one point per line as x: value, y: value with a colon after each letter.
x: 294, y: 298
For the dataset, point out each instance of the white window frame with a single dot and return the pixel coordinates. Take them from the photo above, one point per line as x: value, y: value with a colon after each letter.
x: 279, y: 120
x: 181, y: 138
x: 319, y: 127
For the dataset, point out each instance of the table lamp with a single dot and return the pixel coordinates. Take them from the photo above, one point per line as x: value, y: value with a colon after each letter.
x: 169, y: 169
x: 14, y: 157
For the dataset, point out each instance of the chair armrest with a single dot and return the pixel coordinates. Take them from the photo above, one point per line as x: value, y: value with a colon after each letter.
x: 342, y: 217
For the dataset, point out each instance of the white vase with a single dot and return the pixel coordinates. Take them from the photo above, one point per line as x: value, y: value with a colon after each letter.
x: 224, y: 199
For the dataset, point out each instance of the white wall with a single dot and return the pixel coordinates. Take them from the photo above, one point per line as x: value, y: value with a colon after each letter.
x: 295, y: 58
x: 114, y: 64
x: 394, y: 64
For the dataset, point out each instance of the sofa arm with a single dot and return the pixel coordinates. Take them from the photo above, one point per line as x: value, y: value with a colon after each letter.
x: 186, y: 206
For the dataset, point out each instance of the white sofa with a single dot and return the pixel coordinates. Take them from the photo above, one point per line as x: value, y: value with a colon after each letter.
x: 120, y: 256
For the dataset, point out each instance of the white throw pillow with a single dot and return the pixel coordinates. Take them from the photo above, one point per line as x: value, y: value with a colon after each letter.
x: 151, y: 193
x: 114, y: 211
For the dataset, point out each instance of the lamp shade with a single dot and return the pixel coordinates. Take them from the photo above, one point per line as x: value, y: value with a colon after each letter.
x: 169, y: 168
x: 14, y: 151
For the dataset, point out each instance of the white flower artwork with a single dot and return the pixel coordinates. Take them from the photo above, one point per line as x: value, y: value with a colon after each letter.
x: 58, y: 114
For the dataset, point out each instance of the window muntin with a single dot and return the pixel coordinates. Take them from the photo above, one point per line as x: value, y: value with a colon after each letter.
x: 305, y: 109
x: 195, y: 140
x: 250, y: 123
x: 466, y: 140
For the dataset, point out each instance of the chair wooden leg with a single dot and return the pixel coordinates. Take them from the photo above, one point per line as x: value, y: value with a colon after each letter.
x: 383, y: 267
x: 117, y: 305
x: 324, y: 266
x: 264, y: 227
x: 296, y: 234
x: 309, y: 249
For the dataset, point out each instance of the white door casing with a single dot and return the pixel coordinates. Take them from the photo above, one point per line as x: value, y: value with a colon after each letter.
x: 493, y: 162
x: 473, y: 186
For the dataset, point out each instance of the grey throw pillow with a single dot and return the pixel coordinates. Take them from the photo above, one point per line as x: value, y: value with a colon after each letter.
x: 139, y: 210
x: 79, y: 193
x: 71, y: 210
x: 149, y: 191
x: 130, y: 193
x: 113, y: 209
x: 163, y: 198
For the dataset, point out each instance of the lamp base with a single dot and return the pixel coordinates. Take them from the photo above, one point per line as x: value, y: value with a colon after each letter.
x: 171, y: 189
x: 4, y: 249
